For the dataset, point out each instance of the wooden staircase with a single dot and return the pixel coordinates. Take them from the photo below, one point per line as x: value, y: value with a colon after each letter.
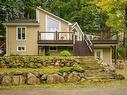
x: 81, y: 48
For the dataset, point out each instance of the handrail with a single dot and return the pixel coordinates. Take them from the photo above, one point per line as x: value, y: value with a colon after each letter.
x: 89, y: 43
x: 56, y: 32
x: 56, y: 35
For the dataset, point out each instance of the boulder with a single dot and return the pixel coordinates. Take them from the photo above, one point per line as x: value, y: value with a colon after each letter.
x: 55, y: 78
x: 109, y: 69
x: 7, y: 80
x: 118, y: 77
x: 43, y: 78
x: 1, y: 76
x: 73, y: 77
x: 18, y: 80
x: 32, y: 79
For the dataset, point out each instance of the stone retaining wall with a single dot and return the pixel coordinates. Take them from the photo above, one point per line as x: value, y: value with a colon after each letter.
x: 36, y: 78
x: 19, y: 78
x: 35, y: 62
x: 72, y: 73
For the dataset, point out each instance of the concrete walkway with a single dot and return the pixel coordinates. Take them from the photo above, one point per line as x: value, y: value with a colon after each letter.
x: 89, y: 91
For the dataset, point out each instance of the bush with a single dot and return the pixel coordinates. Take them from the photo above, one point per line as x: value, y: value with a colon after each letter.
x: 121, y: 52
x: 65, y: 53
x: 70, y: 69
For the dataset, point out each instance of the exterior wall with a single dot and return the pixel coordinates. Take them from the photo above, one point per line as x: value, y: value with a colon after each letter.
x: 46, y: 51
x: 30, y: 42
x: 42, y: 21
x: 107, y: 54
x: 31, y: 36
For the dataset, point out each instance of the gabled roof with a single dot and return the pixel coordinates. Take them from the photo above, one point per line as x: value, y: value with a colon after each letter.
x: 22, y: 22
x: 73, y: 26
x: 39, y: 8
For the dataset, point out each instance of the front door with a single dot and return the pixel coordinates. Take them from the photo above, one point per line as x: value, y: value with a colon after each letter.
x: 98, y: 54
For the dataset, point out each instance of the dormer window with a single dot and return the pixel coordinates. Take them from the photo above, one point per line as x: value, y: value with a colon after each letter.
x: 21, y: 33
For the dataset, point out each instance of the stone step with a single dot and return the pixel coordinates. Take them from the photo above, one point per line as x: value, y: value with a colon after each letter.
x: 91, y: 78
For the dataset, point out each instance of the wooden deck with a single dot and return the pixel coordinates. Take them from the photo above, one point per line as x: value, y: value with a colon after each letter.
x: 55, y: 42
x: 104, y: 41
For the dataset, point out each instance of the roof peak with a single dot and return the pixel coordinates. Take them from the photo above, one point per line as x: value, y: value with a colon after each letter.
x: 39, y: 8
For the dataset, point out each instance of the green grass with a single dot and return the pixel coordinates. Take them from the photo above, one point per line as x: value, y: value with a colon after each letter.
x: 46, y: 70
x: 43, y: 57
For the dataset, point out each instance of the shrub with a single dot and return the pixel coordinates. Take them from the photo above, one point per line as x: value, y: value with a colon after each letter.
x: 121, y: 52
x: 65, y: 53
x: 70, y: 69
x: 77, y: 69
x: 65, y: 69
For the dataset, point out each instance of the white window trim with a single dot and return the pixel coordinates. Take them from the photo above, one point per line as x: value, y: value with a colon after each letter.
x: 17, y: 33
x: 21, y: 46
x: 101, y: 55
x: 52, y: 19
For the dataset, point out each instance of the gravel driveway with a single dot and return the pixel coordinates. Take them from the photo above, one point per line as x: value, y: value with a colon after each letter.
x: 89, y: 91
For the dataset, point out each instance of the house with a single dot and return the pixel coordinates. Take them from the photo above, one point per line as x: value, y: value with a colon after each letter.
x: 49, y: 34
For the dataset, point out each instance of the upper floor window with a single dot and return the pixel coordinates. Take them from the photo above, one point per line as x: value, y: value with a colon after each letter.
x: 21, y: 33
x: 52, y: 24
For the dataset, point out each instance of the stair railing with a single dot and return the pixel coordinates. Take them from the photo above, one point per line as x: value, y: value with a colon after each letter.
x: 88, y: 42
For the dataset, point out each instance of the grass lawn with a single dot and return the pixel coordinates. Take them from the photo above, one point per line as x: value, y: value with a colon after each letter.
x: 47, y: 70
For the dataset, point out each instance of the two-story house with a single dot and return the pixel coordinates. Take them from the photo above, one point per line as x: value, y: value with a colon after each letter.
x: 49, y: 34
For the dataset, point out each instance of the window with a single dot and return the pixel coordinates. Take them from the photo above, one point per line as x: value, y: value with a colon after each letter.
x: 21, y: 48
x: 52, y: 48
x: 21, y: 33
x: 52, y: 25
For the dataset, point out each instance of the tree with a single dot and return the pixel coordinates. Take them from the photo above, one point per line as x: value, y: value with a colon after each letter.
x: 115, y: 10
x: 91, y: 18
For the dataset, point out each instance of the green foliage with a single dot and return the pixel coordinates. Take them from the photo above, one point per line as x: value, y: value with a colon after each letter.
x: 46, y: 70
x: 65, y: 53
x: 121, y: 52
x: 115, y: 10
x: 85, y: 12
x: 70, y: 69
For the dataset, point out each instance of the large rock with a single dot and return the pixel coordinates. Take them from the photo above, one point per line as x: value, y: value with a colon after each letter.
x: 43, y: 78
x: 18, y: 80
x: 7, y: 80
x: 118, y: 77
x: 32, y: 79
x: 55, y: 78
x: 109, y: 69
x: 73, y: 77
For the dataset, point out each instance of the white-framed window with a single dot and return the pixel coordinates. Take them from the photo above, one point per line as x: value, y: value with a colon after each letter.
x: 21, y: 48
x: 21, y: 33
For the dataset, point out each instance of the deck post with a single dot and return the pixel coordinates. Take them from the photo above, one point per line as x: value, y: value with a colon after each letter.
x: 38, y: 36
x: 56, y: 36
